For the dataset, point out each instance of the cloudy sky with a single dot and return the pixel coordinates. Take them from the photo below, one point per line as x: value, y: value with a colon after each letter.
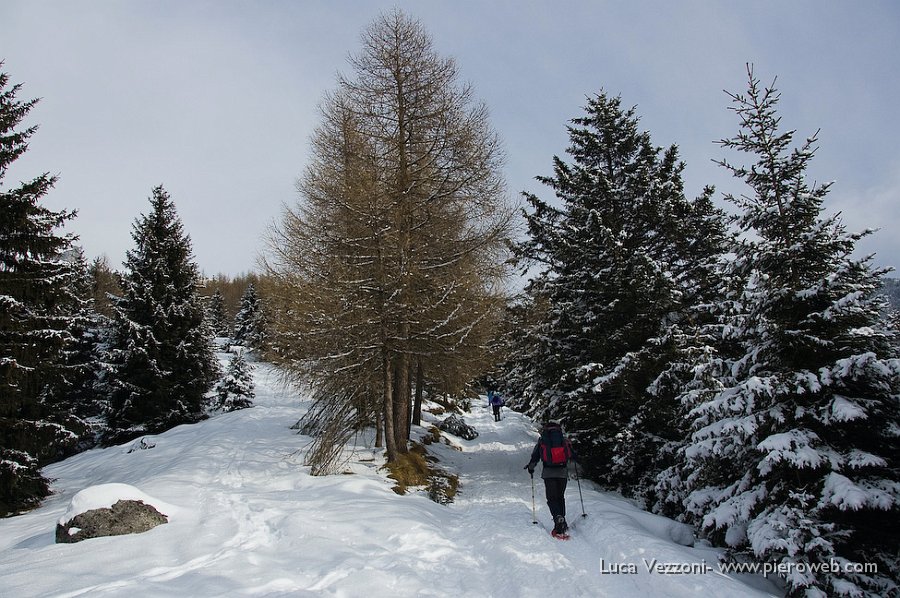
x: 216, y: 100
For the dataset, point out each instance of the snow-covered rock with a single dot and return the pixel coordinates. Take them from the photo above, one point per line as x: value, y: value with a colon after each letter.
x: 458, y: 427
x: 109, y: 510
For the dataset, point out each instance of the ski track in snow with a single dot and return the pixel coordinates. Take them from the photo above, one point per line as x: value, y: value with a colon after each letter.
x: 251, y: 521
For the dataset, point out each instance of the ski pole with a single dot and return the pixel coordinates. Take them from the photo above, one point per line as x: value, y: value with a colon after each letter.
x: 533, y: 509
x: 578, y: 479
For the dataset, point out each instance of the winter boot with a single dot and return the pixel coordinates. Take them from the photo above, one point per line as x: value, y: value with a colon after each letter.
x: 559, y: 526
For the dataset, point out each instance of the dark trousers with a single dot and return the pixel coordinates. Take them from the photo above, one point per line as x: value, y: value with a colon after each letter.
x: 496, y: 413
x: 556, y: 495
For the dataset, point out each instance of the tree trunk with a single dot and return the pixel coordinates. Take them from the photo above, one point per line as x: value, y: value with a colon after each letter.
x: 379, y: 428
x: 401, y: 402
x: 417, y: 406
x: 389, y: 435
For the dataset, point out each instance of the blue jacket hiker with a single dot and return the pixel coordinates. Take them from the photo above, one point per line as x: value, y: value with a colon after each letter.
x: 554, y: 452
x: 495, y: 400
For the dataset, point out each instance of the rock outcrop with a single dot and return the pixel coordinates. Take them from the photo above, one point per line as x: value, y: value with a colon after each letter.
x: 458, y: 427
x: 124, y: 517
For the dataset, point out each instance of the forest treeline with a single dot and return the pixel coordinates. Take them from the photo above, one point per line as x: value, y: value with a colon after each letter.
x: 728, y: 363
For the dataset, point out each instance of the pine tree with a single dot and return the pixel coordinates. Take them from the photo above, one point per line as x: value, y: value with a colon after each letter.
x: 104, y: 285
x: 624, y: 256
x: 249, y: 326
x: 235, y: 390
x: 794, y: 456
x: 231, y: 288
x: 215, y: 312
x: 161, y: 363
x: 39, y: 301
x: 75, y: 398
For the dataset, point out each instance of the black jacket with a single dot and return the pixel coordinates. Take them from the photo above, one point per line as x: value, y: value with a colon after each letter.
x: 548, y: 471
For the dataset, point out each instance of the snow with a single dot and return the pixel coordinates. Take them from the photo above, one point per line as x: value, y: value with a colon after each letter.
x: 793, y: 446
x: 843, y: 493
x: 857, y: 459
x: 247, y: 519
x: 844, y: 410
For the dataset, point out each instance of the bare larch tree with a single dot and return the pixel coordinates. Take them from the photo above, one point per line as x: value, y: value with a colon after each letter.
x: 389, y: 271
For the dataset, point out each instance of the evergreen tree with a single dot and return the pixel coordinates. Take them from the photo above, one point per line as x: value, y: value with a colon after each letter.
x: 794, y: 456
x: 231, y: 288
x: 161, y: 363
x: 104, y: 286
x: 521, y: 349
x: 249, y: 328
x: 215, y: 313
x: 235, y: 390
x: 76, y: 398
x: 39, y: 302
x: 624, y: 256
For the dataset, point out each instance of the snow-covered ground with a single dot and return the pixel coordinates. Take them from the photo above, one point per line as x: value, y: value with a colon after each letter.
x: 247, y: 519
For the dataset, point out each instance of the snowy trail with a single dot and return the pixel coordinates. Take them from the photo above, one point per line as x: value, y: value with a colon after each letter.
x: 251, y: 521
x: 522, y: 559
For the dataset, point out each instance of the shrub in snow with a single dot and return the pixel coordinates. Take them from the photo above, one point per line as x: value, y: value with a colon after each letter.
x: 235, y: 390
x: 22, y: 486
x: 458, y: 427
x: 442, y: 487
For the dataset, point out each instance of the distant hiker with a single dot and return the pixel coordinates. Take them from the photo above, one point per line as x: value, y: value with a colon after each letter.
x: 496, y: 401
x: 554, y: 451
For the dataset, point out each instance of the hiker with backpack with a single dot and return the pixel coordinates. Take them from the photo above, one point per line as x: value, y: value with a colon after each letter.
x: 554, y: 451
x: 496, y: 401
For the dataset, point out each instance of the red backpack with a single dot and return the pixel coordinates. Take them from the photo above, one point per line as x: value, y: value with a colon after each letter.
x: 555, y: 449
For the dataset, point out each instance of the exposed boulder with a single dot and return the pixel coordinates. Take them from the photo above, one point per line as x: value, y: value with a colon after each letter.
x: 458, y: 427
x: 108, y: 510
x: 124, y: 517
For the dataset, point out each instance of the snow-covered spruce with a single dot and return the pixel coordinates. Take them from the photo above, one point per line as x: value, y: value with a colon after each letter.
x: 249, y: 327
x: 215, y: 315
x: 795, y: 420
x: 43, y: 305
x: 235, y: 389
x: 160, y: 362
x: 624, y: 258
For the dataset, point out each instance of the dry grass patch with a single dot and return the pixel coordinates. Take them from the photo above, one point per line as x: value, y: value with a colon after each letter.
x: 410, y: 469
x: 434, y: 435
x: 415, y: 469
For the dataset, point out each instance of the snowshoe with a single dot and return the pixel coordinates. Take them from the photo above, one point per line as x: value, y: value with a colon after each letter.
x: 560, y: 529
